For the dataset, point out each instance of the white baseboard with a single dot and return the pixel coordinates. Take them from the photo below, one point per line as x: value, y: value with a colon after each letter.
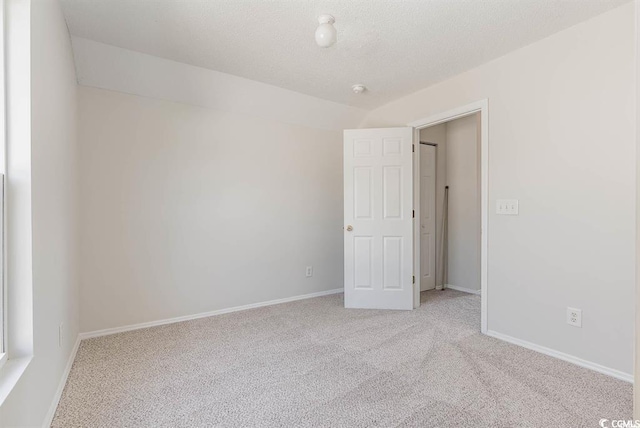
x: 108, y: 331
x: 562, y: 356
x: 466, y: 290
x: 63, y: 381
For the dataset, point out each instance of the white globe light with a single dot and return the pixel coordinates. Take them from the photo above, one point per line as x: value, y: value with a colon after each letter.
x: 326, y: 34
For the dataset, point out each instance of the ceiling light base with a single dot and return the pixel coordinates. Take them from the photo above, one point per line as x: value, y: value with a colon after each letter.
x: 326, y: 19
x: 358, y: 89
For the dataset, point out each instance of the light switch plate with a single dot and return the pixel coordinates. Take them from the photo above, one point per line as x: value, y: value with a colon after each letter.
x: 507, y: 207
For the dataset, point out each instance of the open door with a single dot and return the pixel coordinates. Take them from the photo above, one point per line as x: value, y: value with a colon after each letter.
x: 378, y: 216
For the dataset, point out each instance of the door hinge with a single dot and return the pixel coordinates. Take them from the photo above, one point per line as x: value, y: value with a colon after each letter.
x: 414, y: 279
x: 414, y: 213
x: 413, y: 147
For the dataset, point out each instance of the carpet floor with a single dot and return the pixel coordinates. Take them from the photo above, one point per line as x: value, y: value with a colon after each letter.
x: 313, y: 363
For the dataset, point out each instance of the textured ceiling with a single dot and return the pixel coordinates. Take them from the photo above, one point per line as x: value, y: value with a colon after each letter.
x: 393, y: 47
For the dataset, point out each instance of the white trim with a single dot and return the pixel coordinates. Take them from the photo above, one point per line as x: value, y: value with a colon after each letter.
x: 115, y: 330
x: 417, y: 275
x: 63, y: 381
x: 562, y: 356
x: 3, y: 165
x: 636, y: 356
x: 463, y: 289
x: 449, y: 115
x: 482, y: 107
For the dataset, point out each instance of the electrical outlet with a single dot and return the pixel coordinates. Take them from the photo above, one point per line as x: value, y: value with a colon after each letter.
x: 60, y: 335
x: 309, y: 271
x: 574, y: 317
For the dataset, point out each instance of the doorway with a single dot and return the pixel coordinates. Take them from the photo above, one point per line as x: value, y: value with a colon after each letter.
x: 382, y: 213
x: 452, y: 242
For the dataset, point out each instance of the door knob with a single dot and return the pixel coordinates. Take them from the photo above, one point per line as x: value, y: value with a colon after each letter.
x: 349, y: 228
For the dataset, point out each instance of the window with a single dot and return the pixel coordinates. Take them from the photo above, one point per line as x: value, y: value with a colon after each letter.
x: 3, y: 104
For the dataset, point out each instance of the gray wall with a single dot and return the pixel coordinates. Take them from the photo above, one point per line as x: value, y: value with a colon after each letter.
x: 464, y: 203
x: 568, y: 247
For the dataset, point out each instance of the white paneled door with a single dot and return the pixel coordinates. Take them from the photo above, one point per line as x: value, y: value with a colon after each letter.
x: 378, y: 218
x: 427, y: 217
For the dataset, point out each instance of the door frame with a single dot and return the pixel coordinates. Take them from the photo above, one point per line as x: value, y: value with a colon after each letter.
x: 482, y: 107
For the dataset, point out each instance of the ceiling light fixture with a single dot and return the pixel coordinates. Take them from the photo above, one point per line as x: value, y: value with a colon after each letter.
x: 326, y: 34
x: 358, y: 89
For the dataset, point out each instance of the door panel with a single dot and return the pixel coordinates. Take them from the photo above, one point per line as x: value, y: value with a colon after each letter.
x: 378, y: 206
x: 363, y: 256
x: 363, y: 182
x: 392, y: 262
x: 392, y: 192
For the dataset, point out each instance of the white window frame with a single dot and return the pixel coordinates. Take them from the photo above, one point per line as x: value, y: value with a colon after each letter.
x: 3, y: 168
x: 15, y: 133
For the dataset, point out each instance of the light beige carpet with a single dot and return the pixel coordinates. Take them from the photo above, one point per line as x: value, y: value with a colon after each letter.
x: 313, y: 363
